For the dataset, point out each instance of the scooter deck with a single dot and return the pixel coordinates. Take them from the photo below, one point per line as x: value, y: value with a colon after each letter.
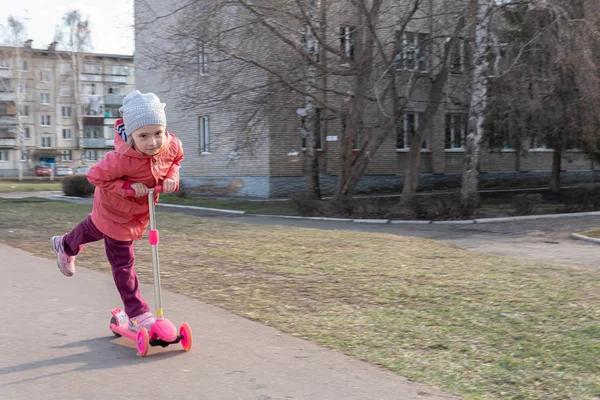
x: 124, y: 331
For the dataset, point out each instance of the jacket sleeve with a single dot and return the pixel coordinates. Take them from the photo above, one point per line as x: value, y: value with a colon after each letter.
x: 107, y: 174
x: 173, y: 172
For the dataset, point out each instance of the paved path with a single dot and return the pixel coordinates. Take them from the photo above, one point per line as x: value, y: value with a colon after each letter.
x: 55, y: 344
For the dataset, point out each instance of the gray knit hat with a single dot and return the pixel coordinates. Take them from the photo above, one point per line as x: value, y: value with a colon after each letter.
x: 141, y: 109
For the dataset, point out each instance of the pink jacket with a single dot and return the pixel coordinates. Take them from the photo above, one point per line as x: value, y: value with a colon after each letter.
x: 126, y: 218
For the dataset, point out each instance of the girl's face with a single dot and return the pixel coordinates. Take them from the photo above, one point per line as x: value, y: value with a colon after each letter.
x: 149, y: 139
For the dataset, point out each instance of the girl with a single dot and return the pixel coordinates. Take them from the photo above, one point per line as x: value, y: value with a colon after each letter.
x: 145, y: 155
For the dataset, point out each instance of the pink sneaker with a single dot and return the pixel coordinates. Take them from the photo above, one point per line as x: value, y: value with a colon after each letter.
x: 145, y: 320
x: 66, y: 264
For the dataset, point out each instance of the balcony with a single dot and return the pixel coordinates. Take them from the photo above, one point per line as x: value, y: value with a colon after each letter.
x: 7, y: 121
x: 7, y: 96
x: 8, y: 142
x: 113, y: 99
x: 97, y: 143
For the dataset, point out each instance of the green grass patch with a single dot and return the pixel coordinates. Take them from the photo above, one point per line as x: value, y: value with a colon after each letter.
x: 272, y: 207
x: 593, y: 233
x: 12, y: 187
x: 481, y: 326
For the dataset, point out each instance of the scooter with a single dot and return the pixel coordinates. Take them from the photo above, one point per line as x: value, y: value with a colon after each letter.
x: 163, y: 332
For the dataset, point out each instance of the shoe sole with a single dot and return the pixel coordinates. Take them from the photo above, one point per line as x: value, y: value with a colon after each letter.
x: 57, y: 262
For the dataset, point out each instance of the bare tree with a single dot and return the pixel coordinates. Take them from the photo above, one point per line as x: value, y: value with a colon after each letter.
x: 74, y: 35
x: 16, y: 35
x: 437, y: 92
x: 551, y: 96
x: 353, y: 75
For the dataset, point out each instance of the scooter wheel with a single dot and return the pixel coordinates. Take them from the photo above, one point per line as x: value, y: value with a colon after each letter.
x: 113, y: 321
x: 143, y: 343
x: 186, y: 332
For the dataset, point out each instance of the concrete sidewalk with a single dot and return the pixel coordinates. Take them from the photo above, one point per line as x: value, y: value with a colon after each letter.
x: 55, y: 344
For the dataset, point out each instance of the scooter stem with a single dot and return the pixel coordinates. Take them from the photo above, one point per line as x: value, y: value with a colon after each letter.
x: 154, y: 240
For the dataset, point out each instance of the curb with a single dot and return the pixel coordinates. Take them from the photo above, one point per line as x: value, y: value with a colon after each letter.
x: 383, y: 221
x: 200, y: 208
x: 577, y: 236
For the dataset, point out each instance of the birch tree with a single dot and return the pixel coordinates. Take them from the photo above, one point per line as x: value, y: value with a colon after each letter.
x: 16, y: 34
x: 480, y: 84
x: 74, y: 35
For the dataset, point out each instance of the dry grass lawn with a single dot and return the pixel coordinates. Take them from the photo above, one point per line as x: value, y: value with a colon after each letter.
x: 481, y: 326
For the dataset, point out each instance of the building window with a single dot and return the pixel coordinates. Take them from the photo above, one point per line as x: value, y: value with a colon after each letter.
x: 22, y: 88
x: 45, y: 120
x: 4, y: 155
x: 66, y: 134
x: 356, y: 143
x: 459, y: 56
x: 65, y: 69
x: 456, y: 130
x: 65, y: 90
x: 24, y: 110
x: 320, y: 126
x: 120, y: 70
x: 92, y: 68
x: 5, y: 85
x: 7, y: 108
x: 117, y: 90
x: 23, y: 156
x: 93, y: 132
x: 204, y: 135
x: 4, y: 64
x: 413, y: 51
x: 44, y: 98
x: 67, y: 155
x: 202, y: 59
x: 44, y: 76
x: 23, y: 65
x: 538, y: 143
x: 46, y: 142
x: 347, y: 43
x: 91, y: 155
x: 111, y: 111
x: 406, y: 128
x: 66, y: 112
x: 26, y: 133
x: 89, y: 88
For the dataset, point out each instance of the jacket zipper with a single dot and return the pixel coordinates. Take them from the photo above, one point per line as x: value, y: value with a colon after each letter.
x: 156, y: 175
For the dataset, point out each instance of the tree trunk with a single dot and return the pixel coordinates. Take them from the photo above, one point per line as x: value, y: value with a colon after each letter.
x: 78, y: 106
x: 353, y: 166
x: 436, y: 94
x: 470, y: 176
x: 18, y: 110
x: 312, y: 189
x: 556, y: 166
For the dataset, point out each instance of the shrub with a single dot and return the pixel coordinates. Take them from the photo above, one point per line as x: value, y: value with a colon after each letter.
x: 524, y: 204
x: 77, y: 186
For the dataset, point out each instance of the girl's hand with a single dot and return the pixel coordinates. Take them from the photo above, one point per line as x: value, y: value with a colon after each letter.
x: 169, y: 186
x: 140, y: 189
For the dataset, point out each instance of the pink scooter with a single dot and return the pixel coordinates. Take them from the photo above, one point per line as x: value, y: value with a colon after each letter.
x: 163, y: 332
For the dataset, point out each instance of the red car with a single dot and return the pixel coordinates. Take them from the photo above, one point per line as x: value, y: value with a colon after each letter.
x: 41, y: 170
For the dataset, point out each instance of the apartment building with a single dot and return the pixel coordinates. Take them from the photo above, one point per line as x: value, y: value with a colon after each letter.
x: 37, y: 93
x: 228, y: 151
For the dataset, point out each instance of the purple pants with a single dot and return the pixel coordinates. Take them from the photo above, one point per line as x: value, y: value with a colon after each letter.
x: 121, y: 258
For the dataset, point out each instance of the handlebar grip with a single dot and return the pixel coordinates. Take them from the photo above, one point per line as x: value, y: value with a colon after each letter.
x: 128, y: 192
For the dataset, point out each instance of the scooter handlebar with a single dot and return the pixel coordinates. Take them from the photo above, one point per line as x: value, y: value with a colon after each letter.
x: 128, y: 192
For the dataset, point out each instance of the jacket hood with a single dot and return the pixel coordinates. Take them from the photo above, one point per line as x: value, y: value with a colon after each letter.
x: 123, y: 147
